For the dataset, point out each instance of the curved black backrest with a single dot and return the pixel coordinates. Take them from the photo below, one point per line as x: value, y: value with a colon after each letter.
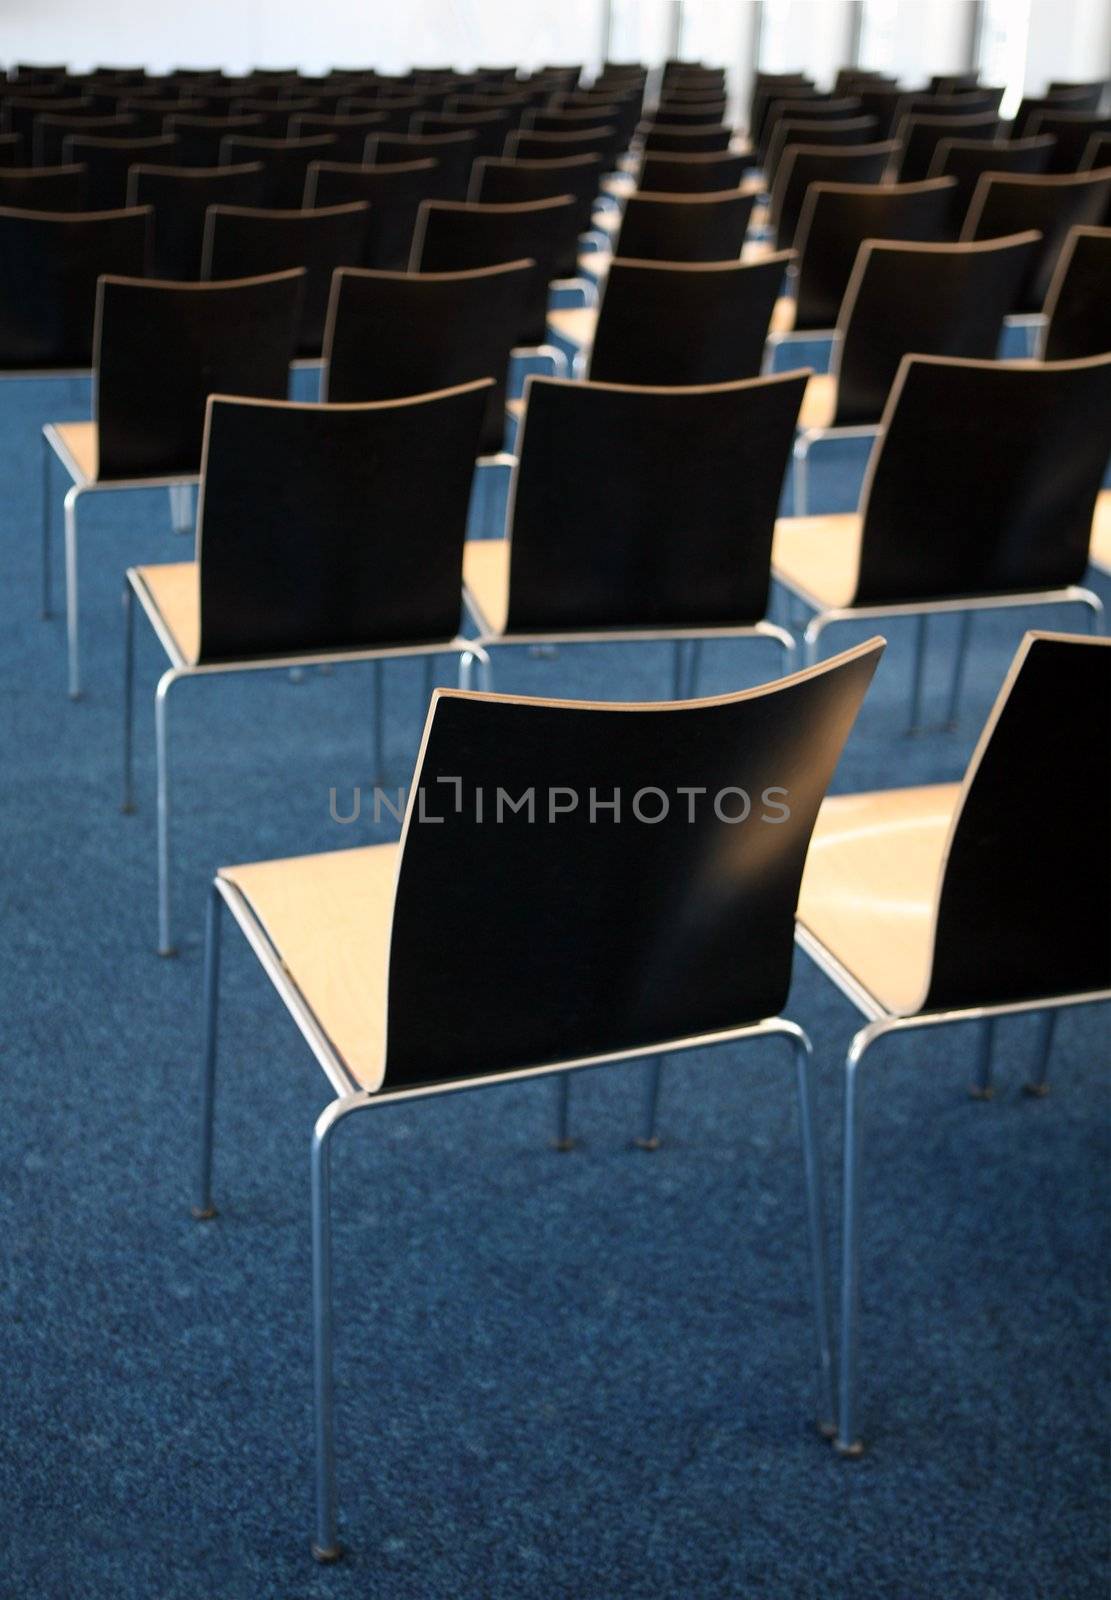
x: 1078, y: 304
x: 245, y: 241
x: 284, y: 164
x: 453, y: 152
x: 488, y: 127
x: 468, y: 323
x: 966, y: 159
x: 275, y: 117
x: 333, y: 527
x: 1097, y: 153
x: 804, y: 164
x: 791, y: 131
x: 451, y: 237
x: 765, y: 95
x: 393, y: 192
x: 12, y: 150
x: 51, y: 133
x: 525, y: 145
x: 502, y: 181
x: 181, y: 197
x: 49, y: 266
x: 1084, y: 97
x: 1024, y: 908
x: 660, y: 136
x: 199, y: 138
x: 685, y: 227
x: 107, y: 163
x: 1054, y: 205
x: 162, y: 348
x: 349, y: 133
x: 929, y: 299
x: 676, y: 324
x: 20, y: 112
x: 677, y: 527
x: 1071, y: 131
x: 612, y: 936
x: 986, y: 478
x: 921, y: 134
x: 43, y: 188
x: 396, y: 115
x: 691, y: 174
x: 882, y: 101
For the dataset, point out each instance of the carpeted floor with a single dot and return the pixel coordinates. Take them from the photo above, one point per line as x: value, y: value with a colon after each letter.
x: 581, y: 1376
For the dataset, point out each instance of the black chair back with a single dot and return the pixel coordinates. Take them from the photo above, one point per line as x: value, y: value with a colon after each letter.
x: 922, y: 133
x: 51, y: 133
x: 703, y: 139
x: 1081, y: 97
x: 393, y: 192
x: 181, y: 197
x: 200, y: 138
x: 1054, y: 205
x: 348, y: 133
x: 107, y: 163
x: 967, y: 159
x: 1078, y: 305
x: 12, y: 150
x: 488, y: 127
x: 453, y: 153
x: 285, y: 162
x: 690, y: 174
x: 1072, y: 132
x: 687, y: 227
x: 804, y: 164
x: 497, y: 180
x: 44, y: 188
x: 838, y: 132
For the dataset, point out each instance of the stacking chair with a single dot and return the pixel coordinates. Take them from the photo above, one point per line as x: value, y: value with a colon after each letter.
x: 395, y: 115
x: 243, y: 241
x: 966, y: 159
x: 969, y: 902
x: 1054, y: 205
x: 107, y: 163
x: 44, y: 188
x: 1083, y: 97
x: 374, y: 953
x: 488, y: 127
x: 920, y: 134
x: 453, y: 237
x: 885, y: 102
x: 979, y: 495
x: 525, y: 145
x: 49, y: 266
x: 180, y: 197
x: 689, y: 113
x: 685, y: 227
x: 12, y: 150
x: 1071, y: 132
x: 469, y: 323
x: 150, y: 114
x: 349, y: 133
x: 931, y: 299
x: 393, y: 192
x: 811, y: 106
x: 501, y: 181
x: 1078, y: 305
x: 665, y: 137
x: 51, y: 133
x: 804, y: 164
x: 1099, y: 552
x: 1097, y: 153
x: 792, y: 131
x: 159, y: 351
x: 673, y: 541
x: 370, y: 567
x: 200, y: 139
x: 691, y: 174
x: 20, y: 114
x: 453, y: 153
x: 285, y: 163
x: 274, y: 118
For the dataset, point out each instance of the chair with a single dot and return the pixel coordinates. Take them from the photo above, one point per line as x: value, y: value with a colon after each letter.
x: 691, y: 174
x: 673, y: 540
x: 43, y: 188
x: 51, y: 133
x: 930, y: 299
x: 369, y: 569
x: 454, y: 236
x: 966, y: 159
x: 1078, y: 305
x: 274, y: 119
x: 1097, y: 153
x: 685, y: 227
x: 1071, y: 132
x: 244, y: 241
x: 524, y: 145
x: 180, y: 197
x: 285, y: 163
x: 969, y: 902
x: 49, y: 266
x: 373, y: 950
x: 676, y: 324
x: 501, y: 181
x: 393, y: 192
x: 453, y: 152
x: 200, y: 139
x: 979, y: 495
x: 804, y: 164
x: 12, y: 151
x: 20, y: 114
x: 921, y: 134
x: 704, y: 139
x: 159, y: 350
x: 1054, y: 205
x: 836, y: 131
x: 1099, y: 552
x: 469, y: 323
x: 348, y: 133
x: 149, y: 113
x: 395, y: 115
x: 488, y: 127
x: 107, y: 163
x: 1084, y: 97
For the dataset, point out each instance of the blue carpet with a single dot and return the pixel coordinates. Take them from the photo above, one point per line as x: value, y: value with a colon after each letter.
x: 579, y: 1376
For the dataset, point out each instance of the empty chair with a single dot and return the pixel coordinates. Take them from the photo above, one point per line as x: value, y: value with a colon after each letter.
x: 885, y: 102
x: 12, y: 150
x: 524, y: 144
x: 1084, y: 97
x: 180, y: 197
x: 20, y: 113
x: 107, y: 163
x: 966, y: 159
x: 932, y: 299
x: 1071, y: 132
x: 1005, y: 202
x: 200, y: 138
x: 469, y: 323
x: 453, y: 153
x: 673, y: 540
x: 1078, y: 305
x: 348, y: 133
x: 160, y: 350
x: 501, y: 181
x: 285, y: 163
x: 804, y: 164
x: 44, y: 188
x: 149, y: 113
x: 394, y: 115
x: 51, y: 133
x: 49, y: 266
x: 980, y: 494
x: 792, y: 131
x: 352, y: 928
x: 455, y: 236
x: 687, y: 227
x: 1097, y: 153
x: 964, y: 902
x: 393, y: 192
x: 274, y: 119
x: 921, y: 134
x: 369, y: 567
x: 702, y: 173
x: 655, y: 136
x: 488, y: 127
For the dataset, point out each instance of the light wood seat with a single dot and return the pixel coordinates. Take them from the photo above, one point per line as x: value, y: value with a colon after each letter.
x: 1100, y: 552
x: 486, y: 582
x: 819, y: 556
x: 576, y: 325
x: 608, y: 221
x: 515, y: 409
x: 174, y: 589
x: 328, y: 917
x: 595, y: 263
x: 870, y: 886
x: 620, y: 184
x: 81, y: 441
x: 783, y: 315
x: 819, y: 404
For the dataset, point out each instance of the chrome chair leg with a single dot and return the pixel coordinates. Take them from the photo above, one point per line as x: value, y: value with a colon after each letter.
x: 982, y: 1088
x: 47, y: 553
x: 650, y: 1138
x: 816, y: 1223
x: 429, y: 678
x: 203, y: 1209
x: 379, y: 691
x: 800, y: 476
x: 181, y: 507
x: 563, y: 1139
x: 921, y: 642
x: 961, y: 655
x: 73, y: 494
x: 1037, y: 1086
x: 165, y: 683
x: 128, y: 803
x: 846, y: 1442
x: 325, y: 1545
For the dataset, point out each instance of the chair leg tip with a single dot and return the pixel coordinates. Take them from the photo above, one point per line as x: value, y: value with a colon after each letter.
x: 326, y: 1554
x: 202, y: 1213
x: 1036, y: 1091
x: 128, y: 808
x: 851, y: 1451
x: 563, y: 1145
x: 76, y: 694
x: 168, y: 951
x: 828, y: 1430
x: 647, y: 1144
x: 980, y: 1092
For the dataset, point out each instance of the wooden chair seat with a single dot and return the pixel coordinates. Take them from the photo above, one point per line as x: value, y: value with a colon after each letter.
x: 576, y: 325
x: 870, y: 886
x: 819, y: 557
x: 783, y: 316
x: 486, y: 582
x: 80, y: 440
x: 819, y: 403
x: 173, y: 590
x: 515, y: 409
x: 328, y: 917
x: 1100, y: 553
x: 595, y: 263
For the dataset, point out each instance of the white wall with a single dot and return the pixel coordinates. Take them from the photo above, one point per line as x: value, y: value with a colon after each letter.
x: 914, y: 38
x: 1068, y: 39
